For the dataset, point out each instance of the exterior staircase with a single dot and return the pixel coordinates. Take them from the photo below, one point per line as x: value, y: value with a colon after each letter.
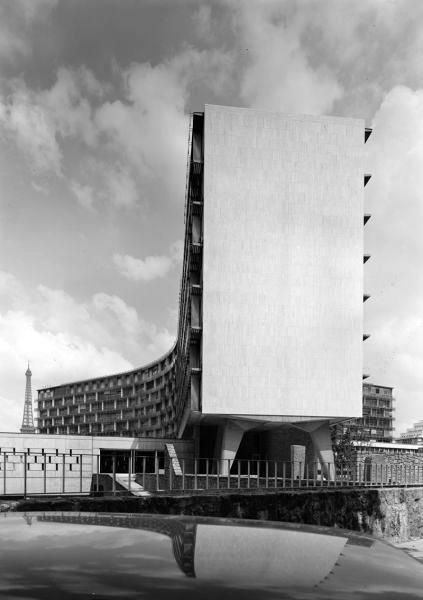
x: 135, y: 488
x: 174, y: 459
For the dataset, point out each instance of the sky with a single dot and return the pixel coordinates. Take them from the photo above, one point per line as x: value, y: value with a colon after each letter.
x: 94, y: 105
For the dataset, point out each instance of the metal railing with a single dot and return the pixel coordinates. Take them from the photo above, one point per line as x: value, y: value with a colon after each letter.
x: 50, y: 472
x: 215, y: 474
x: 54, y: 473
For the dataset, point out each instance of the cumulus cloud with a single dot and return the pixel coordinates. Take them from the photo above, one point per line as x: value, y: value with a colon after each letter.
x: 277, y: 73
x: 150, y: 126
x: 320, y: 57
x: 16, y: 19
x: 149, y: 268
x: 122, y: 190
x: 65, y: 339
x: 37, y: 120
x: 85, y: 194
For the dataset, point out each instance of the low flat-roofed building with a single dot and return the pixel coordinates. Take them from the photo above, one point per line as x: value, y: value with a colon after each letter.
x: 413, y: 435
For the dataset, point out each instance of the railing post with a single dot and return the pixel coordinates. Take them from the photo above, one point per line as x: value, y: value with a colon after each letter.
x: 239, y: 474
x: 4, y: 471
x: 45, y: 474
x: 114, y: 474
x: 306, y: 473
x: 218, y: 474
x: 80, y: 473
x: 207, y: 473
x: 315, y: 467
x: 156, y: 469
x: 300, y: 464
x: 25, y: 473
x: 276, y: 473
x: 229, y: 473
x: 183, y: 473
x: 248, y: 473
x: 98, y: 473
x: 284, y: 474
x: 196, y: 473
x: 144, y: 465
x: 63, y: 472
x: 129, y: 471
x: 267, y: 473
x: 258, y: 473
x: 292, y: 473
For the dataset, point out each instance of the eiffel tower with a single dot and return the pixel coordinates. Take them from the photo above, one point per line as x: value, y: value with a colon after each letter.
x: 28, y: 420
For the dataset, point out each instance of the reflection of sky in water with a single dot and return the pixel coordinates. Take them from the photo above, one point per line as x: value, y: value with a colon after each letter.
x: 63, y: 561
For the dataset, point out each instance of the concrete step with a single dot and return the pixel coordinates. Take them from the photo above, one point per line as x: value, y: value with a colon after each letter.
x: 135, y: 488
x: 174, y: 459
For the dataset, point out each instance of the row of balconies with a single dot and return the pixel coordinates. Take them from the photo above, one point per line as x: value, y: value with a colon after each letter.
x: 71, y: 392
x: 106, y: 405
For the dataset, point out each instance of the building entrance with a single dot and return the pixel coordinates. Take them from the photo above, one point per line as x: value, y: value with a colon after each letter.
x: 142, y: 461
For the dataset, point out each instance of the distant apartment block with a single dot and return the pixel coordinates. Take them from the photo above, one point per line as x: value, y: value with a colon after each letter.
x: 377, y: 421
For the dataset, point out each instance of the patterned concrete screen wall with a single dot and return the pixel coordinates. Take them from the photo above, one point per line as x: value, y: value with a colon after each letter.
x: 283, y: 264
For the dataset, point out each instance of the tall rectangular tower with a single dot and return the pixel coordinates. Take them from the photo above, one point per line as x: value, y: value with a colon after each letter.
x: 273, y: 269
x: 283, y: 264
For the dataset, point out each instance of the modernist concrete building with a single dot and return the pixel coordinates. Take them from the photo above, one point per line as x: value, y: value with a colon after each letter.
x: 269, y: 346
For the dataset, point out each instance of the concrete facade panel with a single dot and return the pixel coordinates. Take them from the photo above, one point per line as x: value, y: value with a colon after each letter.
x: 282, y: 276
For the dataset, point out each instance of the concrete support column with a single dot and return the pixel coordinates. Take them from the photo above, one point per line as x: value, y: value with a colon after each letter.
x: 227, y: 446
x: 298, y: 458
x: 322, y: 444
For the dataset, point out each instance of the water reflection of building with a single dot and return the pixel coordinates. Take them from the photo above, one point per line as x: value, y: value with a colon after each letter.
x: 209, y: 550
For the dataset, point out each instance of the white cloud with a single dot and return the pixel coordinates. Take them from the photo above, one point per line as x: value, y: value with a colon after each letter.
x: 277, y: 73
x: 148, y: 128
x: 85, y: 194
x: 38, y: 121
x: 149, y: 268
x: 66, y: 340
x: 122, y: 189
x: 16, y: 19
x: 32, y: 127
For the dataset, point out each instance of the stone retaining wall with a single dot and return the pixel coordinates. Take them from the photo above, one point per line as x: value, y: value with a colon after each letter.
x: 393, y: 514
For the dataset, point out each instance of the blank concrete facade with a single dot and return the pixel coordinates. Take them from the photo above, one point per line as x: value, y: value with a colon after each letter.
x: 283, y: 265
